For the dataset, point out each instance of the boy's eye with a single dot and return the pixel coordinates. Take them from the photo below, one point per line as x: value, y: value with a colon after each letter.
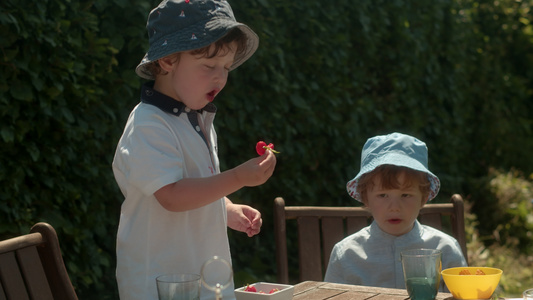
x: 209, y: 66
x: 406, y: 195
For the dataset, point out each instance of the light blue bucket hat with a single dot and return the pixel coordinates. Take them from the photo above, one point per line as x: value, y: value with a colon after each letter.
x: 394, y: 149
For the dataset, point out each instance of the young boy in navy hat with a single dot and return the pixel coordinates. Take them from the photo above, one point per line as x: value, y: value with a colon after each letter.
x: 175, y: 213
x: 394, y: 183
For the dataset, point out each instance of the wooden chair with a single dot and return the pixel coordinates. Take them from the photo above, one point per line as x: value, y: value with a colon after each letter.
x: 320, y: 228
x: 31, y: 267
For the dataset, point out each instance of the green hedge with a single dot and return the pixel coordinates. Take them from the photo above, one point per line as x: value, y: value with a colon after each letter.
x: 328, y: 75
x: 64, y: 93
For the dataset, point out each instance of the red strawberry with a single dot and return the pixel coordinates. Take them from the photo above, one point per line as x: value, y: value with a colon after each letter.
x: 272, y: 291
x: 250, y: 288
x: 261, y: 147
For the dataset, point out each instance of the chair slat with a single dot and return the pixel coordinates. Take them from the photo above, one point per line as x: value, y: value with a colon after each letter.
x: 332, y: 232
x: 2, y: 294
x: 354, y: 224
x: 11, y: 277
x: 293, y: 212
x: 309, y: 248
x: 437, y: 208
x: 434, y: 220
x: 53, y: 264
x: 34, y: 275
x: 280, y: 236
x: 19, y: 242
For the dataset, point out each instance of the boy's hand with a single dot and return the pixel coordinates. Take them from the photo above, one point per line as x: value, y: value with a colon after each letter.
x: 243, y: 218
x: 257, y: 170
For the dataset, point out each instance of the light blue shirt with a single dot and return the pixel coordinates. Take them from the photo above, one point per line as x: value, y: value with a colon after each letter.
x: 371, y: 257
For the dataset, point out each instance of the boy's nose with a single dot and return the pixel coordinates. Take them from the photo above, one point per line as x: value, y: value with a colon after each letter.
x: 394, y: 204
x: 221, y: 76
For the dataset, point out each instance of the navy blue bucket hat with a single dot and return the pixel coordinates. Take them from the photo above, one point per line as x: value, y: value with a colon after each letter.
x: 394, y: 149
x: 184, y: 25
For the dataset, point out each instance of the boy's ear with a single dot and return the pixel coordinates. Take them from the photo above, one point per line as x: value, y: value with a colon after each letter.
x: 167, y: 63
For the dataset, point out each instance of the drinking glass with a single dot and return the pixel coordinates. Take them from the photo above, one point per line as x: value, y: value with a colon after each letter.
x: 528, y: 294
x: 421, y: 269
x: 178, y: 287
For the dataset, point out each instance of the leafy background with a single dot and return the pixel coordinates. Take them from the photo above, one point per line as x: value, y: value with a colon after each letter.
x: 328, y: 75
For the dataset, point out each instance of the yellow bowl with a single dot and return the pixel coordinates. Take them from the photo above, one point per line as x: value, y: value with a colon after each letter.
x: 472, y: 286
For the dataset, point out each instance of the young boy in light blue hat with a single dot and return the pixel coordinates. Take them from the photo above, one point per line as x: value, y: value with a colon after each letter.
x: 175, y: 215
x: 394, y: 183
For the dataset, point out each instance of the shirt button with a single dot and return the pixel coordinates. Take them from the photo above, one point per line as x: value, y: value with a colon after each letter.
x: 187, y: 109
x: 197, y: 128
x: 175, y: 110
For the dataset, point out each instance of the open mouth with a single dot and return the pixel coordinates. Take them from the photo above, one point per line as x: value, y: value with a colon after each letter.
x: 211, y: 95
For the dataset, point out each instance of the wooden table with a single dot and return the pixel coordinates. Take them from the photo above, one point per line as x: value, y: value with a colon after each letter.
x: 314, y: 290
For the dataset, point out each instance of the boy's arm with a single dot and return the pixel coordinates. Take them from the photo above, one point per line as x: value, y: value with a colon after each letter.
x: 191, y: 193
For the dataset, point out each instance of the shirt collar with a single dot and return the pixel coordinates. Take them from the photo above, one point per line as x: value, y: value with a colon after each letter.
x: 169, y: 104
x: 415, y: 233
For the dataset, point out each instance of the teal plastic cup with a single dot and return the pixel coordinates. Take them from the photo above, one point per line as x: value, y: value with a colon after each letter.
x: 421, y: 269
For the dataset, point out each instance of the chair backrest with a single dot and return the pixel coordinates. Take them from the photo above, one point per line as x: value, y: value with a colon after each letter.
x: 31, y: 267
x: 321, y: 227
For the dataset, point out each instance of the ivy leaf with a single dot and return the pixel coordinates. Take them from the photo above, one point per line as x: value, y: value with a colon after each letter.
x: 7, y: 134
x: 21, y: 91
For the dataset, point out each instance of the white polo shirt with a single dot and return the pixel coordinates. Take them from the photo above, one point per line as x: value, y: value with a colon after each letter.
x: 158, y: 148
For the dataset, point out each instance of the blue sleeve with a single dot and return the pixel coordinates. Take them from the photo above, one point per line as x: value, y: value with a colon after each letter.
x: 333, y: 271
